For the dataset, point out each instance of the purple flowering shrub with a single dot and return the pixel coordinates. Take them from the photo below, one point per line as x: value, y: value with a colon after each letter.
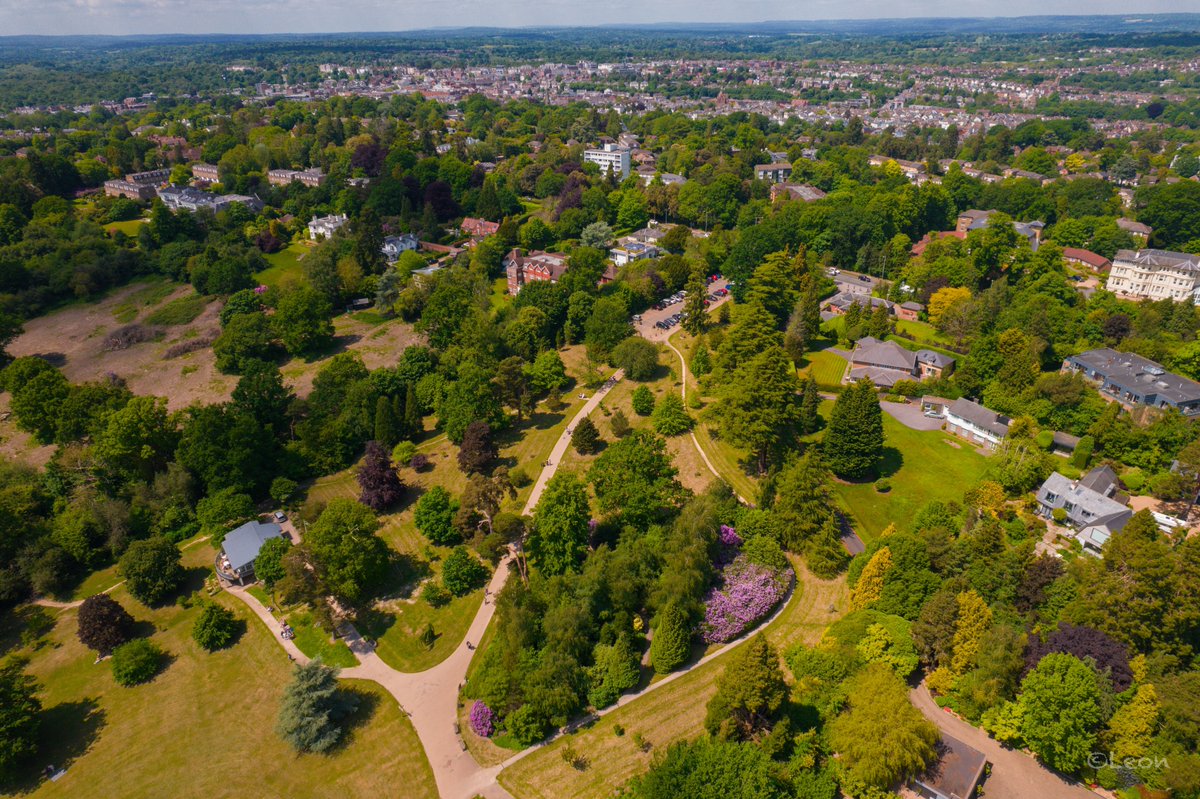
x: 728, y: 536
x: 483, y: 720
x: 744, y: 594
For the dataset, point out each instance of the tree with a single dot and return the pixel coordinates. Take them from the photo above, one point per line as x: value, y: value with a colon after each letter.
x: 301, y: 321
x: 750, y: 693
x: 880, y: 737
x: 547, y: 372
x: 350, y: 558
x: 620, y: 423
x: 476, y: 452
x: 151, y: 569
x: 775, y: 286
x: 637, y: 356
x: 758, y: 408
x: 246, y: 339
x: 512, y: 384
x: 607, y: 327
x: 634, y: 477
x: 268, y: 566
x: 313, y: 708
x: 1132, y: 728
x: 826, y: 555
x: 672, y: 640
x: 37, y: 402
x: 586, y: 437
x: 695, y: 307
x: 261, y: 394
x: 869, y: 588
x: 802, y: 500
x: 752, y: 331
x: 711, y: 769
x: 137, y: 440
x: 974, y: 620
x: 597, y: 235
x: 616, y: 668
x: 381, y: 486
x: 387, y: 424
x: 1061, y: 701
x: 853, y: 442
x: 215, y: 628
x: 219, y: 512
x: 701, y: 361
x: 136, y: 662
x: 462, y: 572
x: 434, y: 516
x: 20, y: 716
x: 103, y: 624
x: 943, y: 299
x: 558, y: 538
x: 670, y: 417
x: 643, y: 401
x: 804, y: 325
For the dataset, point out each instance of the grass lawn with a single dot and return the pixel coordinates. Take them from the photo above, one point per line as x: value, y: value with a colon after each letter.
x: 205, y: 725
x: 400, y: 646
x: 668, y: 714
x: 150, y: 292
x: 826, y: 368
x: 498, y: 298
x: 285, y: 269
x: 129, y: 227
x: 923, y: 332
x: 315, y: 642
x: 922, y: 466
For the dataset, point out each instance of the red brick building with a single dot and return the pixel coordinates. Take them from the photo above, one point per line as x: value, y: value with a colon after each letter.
x: 536, y: 266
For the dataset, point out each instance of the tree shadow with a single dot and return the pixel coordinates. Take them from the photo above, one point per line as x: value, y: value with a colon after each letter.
x: 68, y: 731
x: 893, y: 461
x: 193, y: 581
x: 374, y: 623
x: 368, y: 705
x: 336, y: 346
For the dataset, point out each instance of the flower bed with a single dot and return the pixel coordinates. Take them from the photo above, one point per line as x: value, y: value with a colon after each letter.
x: 744, y: 595
x: 483, y: 720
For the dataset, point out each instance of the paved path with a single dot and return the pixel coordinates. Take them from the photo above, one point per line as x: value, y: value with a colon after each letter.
x: 1015, y: 775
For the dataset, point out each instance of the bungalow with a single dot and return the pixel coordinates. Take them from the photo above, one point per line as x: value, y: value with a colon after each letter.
x: 839, y: 303
x: 1086, y: 258
x: 908, y: 311
x: 1133, y: 380
x: 324, y: 227
x: 1135, y: 228
x: 235, y: 561
x: 955, y: 775
x: 1088, y: 503
x: 885, y: 363
x: 394, y: 245
x: 972, y: 421
x: 796, y: 191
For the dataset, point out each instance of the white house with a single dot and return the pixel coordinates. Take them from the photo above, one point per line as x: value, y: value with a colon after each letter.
x: 631, y: 251
x: 1155, y: 275
x: 394, y: 245
x: 972, y: 421
x: 324, y: 227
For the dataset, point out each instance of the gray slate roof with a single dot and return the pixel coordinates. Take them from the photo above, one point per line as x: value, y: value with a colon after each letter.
x: 1139, y: 375
x: 886, y: 354
x: 242, y: 545
x: 981, y: 417
x: 1088, y: 506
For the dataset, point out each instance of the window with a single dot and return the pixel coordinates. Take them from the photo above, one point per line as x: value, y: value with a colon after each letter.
x: 1051, y: 497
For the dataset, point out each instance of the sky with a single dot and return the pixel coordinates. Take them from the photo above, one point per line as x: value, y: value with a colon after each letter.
x: 327, y: 16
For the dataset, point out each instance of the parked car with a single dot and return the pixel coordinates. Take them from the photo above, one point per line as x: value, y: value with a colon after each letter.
x: 864, y: 278
x: 280, y: 517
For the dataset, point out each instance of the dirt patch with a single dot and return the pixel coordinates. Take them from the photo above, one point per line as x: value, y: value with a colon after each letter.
x: 17, y: 445
x: 74, y: 340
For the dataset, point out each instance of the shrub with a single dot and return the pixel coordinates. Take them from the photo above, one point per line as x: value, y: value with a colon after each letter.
x: 637, y: 356
x: 462, y: 572
x: 483, y: 720
x: 526, y: 725
x: 201, y: 342
x: 765, y: 552
x: 519, y: 476
x: 136, y: 662
x: 1059, y: 515
x: 670, y: 417
x: 404, y: 452
x: 103, y: 624
x: 586, y: 438
x: 883, y: 485
x: 434, y: 516
x: 1045, y: 439
x: 435, y: 594
x: 125, y: 337
x: 283, y: 490
x: 151, y: 569
x: 215, y: 628
x: 620, y: 424
x: 419, y: 462
x: 672, y: 640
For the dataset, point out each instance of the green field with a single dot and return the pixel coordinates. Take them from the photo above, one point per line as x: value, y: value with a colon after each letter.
x: 204, y: 726
x: 285, y: 269
x: 129, y: 227
x: 922, y: 466
x: 826, y: 368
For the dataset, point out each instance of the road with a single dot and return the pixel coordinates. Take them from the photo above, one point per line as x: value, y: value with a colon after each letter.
x: 1015, y: 775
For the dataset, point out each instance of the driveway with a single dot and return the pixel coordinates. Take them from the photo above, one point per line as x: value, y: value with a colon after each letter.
x: 1015, y: 775
x: 646, y: 328
x: 910, y: 415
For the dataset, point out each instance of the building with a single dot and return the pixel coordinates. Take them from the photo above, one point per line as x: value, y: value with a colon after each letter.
x: 137, y: 185
x: 1133, y: 380
x: 778, y: 172
x: 610, y: 158
x: 185, y: 198
x: 1135, y: 229
x: 1086, y: 258
x: 972, y: 421
x: 978, y: 220
x: 206, y: 172
x: 649, y: 175
x: 534, y: 267
x: 886, y: 363
x: 796, y: 191
x: 1088, y: 504
x: 324, y: 227
x: 478, y: 228
x: 955, y: 775
x: 1155, y: 275
x: 629, y: 252
x: 235, y: 561
x: 394, y: 245
x: 908, y: 311
x: 284, y: 177
x: 839, y: 303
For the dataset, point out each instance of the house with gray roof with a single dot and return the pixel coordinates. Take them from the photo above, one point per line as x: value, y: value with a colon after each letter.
x: 885, y: 363
x: 954, y: 775
x: 1133, y: 380
x: 235, y: 561
x: 977, y: 424
x: 1089, y: 504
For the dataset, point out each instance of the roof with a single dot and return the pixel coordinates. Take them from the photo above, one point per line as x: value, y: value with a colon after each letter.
x: 958, y: 769
x: 979, y: 416
x: 934, y: 358
x: 800, y: 191
x: 884, y: 378
x: 241, y: 546
x: 1130, y: 226
x: 887, y: 354
x: 912, y: 306
x: 773, y: 166
x: 1102, y: 480
x: 1088, y: 506
x: 1142, y: 376
x: 844, y: 299
x: 1092, y: 259
x: 1065, y: 441
x: 1161, y: 259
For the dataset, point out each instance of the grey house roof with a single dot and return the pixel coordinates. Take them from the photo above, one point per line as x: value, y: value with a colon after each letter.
x: 958, y: 769
x: 242, y: 545
x: 979, y: 416
x: 1084, y: 505
x: 934, y: 358
x: 886, y: 354
x: 1140, y: 377
x: 1171, y: 260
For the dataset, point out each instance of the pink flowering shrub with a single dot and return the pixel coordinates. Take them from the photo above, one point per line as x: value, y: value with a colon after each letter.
x: 744, y: 594
x: 483, y: 720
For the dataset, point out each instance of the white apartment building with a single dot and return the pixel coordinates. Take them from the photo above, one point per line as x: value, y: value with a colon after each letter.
x: 1155, y: 275
x: 611, y: 158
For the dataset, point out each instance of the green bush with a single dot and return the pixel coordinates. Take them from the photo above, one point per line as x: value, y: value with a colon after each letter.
x: 1134, y: 480
x: 403, y: 452
x: 215, y: 628
x: 519, y: 476
x: 643, y: 401
x: 136, y: 662
x: 883, y: 485
x: 1059, y: 515
x: 180, y: 311
x: 435, y: 594
x: 1045, y: 439
x: 670, y: 417
x: 462, y: 572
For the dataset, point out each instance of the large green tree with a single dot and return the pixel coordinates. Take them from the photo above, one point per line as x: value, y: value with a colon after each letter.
x: 853, y: 443
x: 759, y: 408
x: 1061, y: 699
x: 352, y: 560
x: 750, y: 693
x: 313, y: 709
x: 558, y: 538
x: 635, y: 479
